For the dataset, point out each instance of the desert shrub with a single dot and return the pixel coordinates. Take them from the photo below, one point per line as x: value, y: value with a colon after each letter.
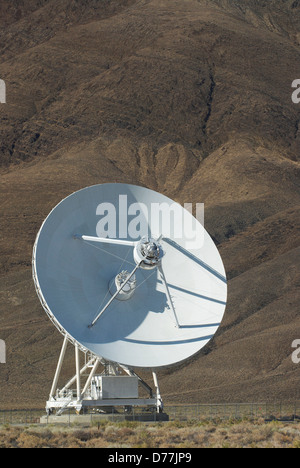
x: 29, y: 440
x: 167, y: 435
x: 296, y: 443
x: 8, y: 437
x: 83, y: 435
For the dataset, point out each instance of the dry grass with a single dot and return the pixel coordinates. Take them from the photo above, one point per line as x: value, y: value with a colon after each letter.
x: 237, y: 434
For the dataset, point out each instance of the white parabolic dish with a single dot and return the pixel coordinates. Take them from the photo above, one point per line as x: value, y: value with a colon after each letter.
x: 72, y: 277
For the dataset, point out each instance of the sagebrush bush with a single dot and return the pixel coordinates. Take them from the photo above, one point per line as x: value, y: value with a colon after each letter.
x: 239, y: 434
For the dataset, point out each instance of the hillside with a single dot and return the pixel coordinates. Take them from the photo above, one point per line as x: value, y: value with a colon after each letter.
x: 189, y: 98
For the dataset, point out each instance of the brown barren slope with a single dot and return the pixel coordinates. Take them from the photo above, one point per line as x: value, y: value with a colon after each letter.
x: 190, y: 98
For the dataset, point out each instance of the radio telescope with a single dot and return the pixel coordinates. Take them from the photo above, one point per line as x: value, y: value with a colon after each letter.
x: 133, y: 281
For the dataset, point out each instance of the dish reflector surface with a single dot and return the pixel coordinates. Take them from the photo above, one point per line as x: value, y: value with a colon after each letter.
x: 72, y: 278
